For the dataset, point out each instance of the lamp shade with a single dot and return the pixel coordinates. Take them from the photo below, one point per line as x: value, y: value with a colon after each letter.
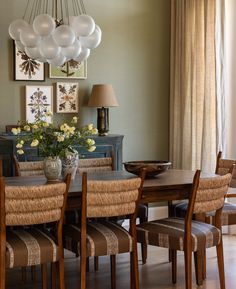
x: 103, y: 95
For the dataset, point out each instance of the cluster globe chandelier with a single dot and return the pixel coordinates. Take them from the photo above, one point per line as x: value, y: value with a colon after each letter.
x: 55, y: 31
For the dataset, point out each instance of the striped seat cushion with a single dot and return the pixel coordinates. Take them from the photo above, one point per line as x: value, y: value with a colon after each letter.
x: 103, y: 238
x: 169, y: 233
x: 228, y: 216
x: 27, y: 247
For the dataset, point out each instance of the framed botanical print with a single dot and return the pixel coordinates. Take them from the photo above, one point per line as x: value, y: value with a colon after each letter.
x: 38, y: 102
x: 26, y: 68
x: 67, y: 97
x: 71, y: 69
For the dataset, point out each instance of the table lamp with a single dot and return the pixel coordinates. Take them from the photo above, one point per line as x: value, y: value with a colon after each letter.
x: 103, y: 97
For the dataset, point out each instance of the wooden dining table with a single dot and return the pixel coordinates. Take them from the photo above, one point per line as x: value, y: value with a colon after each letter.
x: 171, y: 185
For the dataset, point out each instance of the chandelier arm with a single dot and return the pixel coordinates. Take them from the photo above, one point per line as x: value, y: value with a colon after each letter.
x: 74, y: 7
x: 62, y: 14
x: 79, y: 7
x: 33, y: 11
x: 82, y: 6
x: 26, y: 9
x: 46, y: 7
x: 67, y: 9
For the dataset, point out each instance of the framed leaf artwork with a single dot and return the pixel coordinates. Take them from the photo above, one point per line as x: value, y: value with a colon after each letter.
x: 26, y: 68
x: 38, y: 102
x: 67, y: 97
x: 71, y: 69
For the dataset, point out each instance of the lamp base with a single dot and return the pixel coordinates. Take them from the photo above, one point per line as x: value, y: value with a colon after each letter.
x: 102, y: 120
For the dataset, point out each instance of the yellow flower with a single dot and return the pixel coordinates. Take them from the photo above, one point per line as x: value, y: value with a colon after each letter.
x: 34, y: 143
x: 22, y: 142
x: 91, y: 149
x: 19, y: 145
x: 20, y: 152
x: 35, y: 126
x: 14, y: 131
x: 27, y: 128
x: 90, y: 126
x: 60, y: 138
x: 90, y: 142
x: 45, y: 124
x: 49, y: 113
x: 74, y: 119
x: 94, y: 131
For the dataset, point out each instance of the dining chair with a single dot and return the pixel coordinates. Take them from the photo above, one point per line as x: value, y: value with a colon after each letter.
x: 93, y: 165
x: 97, y: 235
x: 188, y: 235
x: 28, y: 168
x: 24, y: 244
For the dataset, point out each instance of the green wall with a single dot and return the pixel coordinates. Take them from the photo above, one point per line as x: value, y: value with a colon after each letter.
x: 133, y: 57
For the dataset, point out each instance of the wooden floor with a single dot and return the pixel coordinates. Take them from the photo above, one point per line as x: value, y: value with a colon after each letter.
x: 155, y: 274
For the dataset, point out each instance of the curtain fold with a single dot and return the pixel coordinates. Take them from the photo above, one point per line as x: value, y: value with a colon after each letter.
x: 193, y: 103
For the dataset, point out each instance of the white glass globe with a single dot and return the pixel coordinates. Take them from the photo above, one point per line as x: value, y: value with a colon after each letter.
x: 49, y: 48
x: 19, y: 45
x: 28, y: 37
x: 72, y: 51
x: 84, y: 54
x: 15, y: 28
x: 44, y: 25
x: 64, y: 35
x: 33, y: 52
x: 83, y: 25
x: 92, y: 41
x: 58, y: 61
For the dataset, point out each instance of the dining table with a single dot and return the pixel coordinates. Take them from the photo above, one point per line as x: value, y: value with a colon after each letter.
x: 170, y: 185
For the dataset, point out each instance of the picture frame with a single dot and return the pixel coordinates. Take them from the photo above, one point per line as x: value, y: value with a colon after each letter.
x: 26, y: 68
x: 38, y: 100
x: 67, y: 97
x: 70, y: 70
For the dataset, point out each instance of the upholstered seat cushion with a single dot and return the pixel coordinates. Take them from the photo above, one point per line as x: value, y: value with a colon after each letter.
x: 103, y: 238
x: 169, y: 233
x: 27, y: 247
x: 228, y: 216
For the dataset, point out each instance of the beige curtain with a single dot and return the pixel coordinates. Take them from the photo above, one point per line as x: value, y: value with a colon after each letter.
x: 193, y: 82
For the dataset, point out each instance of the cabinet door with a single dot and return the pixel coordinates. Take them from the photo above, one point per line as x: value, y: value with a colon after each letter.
x: 101, y: 151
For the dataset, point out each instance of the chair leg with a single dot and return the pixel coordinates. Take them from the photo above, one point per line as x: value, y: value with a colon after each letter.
x: 220, y: 260
x: 54, y: 275
x: 87, y: 264
x: 144, y: 253
x: 44, y: 275
x: 33, y: 273
x: 134, y: 276
x: 199, y: 268
x: 188, y: 268
x: 61, y: 273
x: 96, y: 263
x: 23, y: 274
x: 204, y: 266
x: 113, y: 271
x: 83, y: 266
x: 173, y: 254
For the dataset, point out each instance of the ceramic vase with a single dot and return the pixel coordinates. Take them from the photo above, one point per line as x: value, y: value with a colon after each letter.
x: 70, y: 165
x: 52, y: 168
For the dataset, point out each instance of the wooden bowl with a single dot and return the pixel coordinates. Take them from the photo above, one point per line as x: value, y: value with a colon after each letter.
x: 153, y: 168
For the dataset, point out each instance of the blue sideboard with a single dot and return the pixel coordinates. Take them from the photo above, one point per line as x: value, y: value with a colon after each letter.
x: 104, y: 146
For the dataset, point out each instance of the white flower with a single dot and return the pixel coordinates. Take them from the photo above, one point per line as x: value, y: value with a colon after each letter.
x: 74, y: 119
x: 14, y: 131
x: 48, y: 113
x: 90, y: 142
x: 90, y: 126
x: 20, y: 152
x: 34, y: 143
x: 94, y: 131
x: 45, y: 124
x: 27, y: 128
x: 19, y: 145
x: 60, y: 138
x: 35, y: 126
x: 91, y: 149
